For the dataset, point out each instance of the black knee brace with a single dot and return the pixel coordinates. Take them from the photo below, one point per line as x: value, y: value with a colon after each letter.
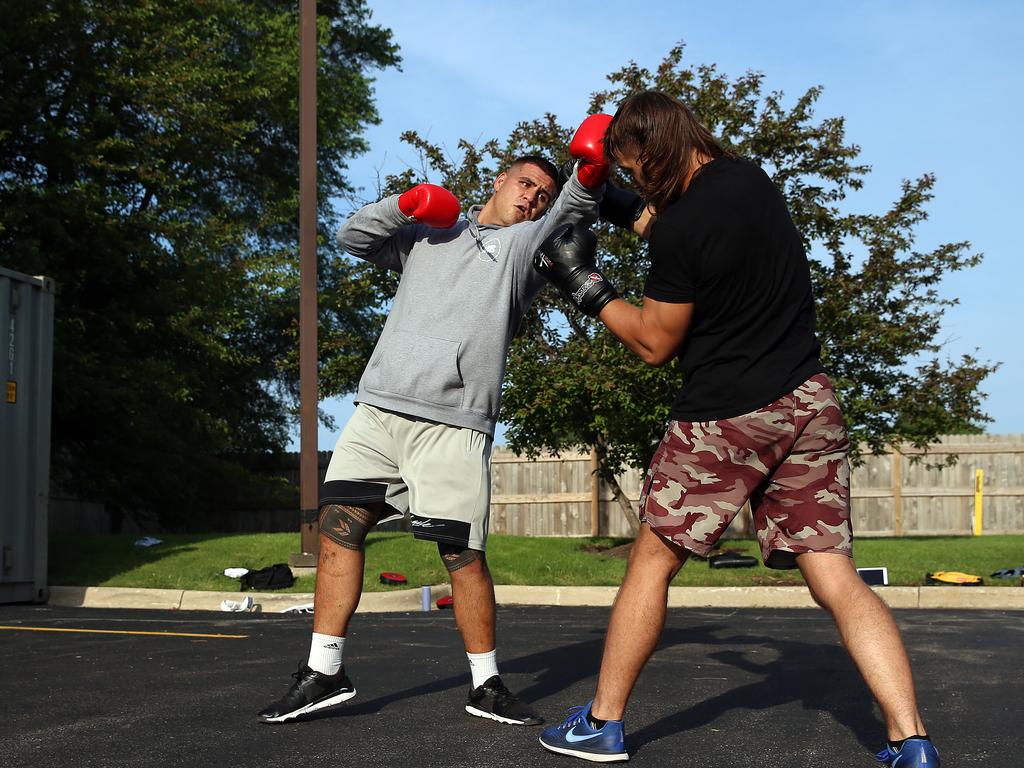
x: 455, y: 557
x: 347, y: 526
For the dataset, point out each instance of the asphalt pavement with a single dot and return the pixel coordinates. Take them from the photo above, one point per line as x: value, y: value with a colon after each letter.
x: 742, y: 687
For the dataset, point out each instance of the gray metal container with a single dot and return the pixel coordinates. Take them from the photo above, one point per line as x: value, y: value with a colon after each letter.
x: 26, y: 362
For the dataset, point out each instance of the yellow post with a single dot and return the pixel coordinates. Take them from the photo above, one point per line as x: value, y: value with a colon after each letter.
x: 979, y: 482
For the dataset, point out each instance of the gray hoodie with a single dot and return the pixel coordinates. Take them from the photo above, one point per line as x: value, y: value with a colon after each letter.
x: 461, y: 297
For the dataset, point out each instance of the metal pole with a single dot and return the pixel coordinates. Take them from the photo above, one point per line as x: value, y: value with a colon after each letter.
x: 309, y: 476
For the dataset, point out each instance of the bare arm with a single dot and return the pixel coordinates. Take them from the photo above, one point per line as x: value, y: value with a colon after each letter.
x: 654, y: 331
x: 642, y: 226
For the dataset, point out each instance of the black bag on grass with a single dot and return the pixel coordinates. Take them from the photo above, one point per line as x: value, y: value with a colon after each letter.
x: 277, y: 576
x: 731, y: 560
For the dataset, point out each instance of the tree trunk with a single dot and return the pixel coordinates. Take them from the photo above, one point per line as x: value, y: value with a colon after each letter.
x: 625, y: 506
x: 617, y: 494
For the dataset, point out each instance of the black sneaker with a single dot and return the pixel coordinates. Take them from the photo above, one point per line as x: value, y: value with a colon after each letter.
x: 310, y: 691
x: 494, y: 700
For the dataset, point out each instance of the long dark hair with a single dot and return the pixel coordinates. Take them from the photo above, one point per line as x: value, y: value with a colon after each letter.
x: 662, y: 132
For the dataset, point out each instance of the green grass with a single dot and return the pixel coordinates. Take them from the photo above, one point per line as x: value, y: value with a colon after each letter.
x: 198, y: 561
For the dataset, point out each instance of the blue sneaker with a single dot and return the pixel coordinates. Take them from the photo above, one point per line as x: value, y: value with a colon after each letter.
x: 915, y: 753
x: 575, y: 737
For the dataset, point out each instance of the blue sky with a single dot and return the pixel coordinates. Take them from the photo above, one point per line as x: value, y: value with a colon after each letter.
x: 924, y: 87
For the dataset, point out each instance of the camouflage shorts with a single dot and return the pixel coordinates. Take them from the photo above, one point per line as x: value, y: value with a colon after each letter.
x: 788, y: 458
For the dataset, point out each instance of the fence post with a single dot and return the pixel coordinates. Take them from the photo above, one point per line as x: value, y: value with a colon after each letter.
x: 979, y: 483
x: 595, y: 494
x: 897, y: 490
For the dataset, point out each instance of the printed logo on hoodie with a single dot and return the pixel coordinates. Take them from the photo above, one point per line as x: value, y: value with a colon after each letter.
x: 489, y: 250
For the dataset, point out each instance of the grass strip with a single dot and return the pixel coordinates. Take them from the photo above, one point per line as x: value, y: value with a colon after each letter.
x: 197, y: 562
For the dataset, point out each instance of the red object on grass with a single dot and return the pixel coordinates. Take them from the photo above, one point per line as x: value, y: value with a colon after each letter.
x: 390, y: 577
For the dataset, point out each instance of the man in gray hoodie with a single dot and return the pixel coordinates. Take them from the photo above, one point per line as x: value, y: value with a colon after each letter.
x: 419, y: 441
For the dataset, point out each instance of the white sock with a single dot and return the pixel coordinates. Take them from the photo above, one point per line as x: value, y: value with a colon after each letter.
x: 483, y: 666
x: 325, y: 653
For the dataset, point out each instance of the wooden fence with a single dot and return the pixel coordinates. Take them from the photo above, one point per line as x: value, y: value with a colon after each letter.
x: 901, y: 493
x: 896, y: 494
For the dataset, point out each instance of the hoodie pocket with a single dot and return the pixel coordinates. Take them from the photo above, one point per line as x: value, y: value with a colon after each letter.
x: 418, y: 367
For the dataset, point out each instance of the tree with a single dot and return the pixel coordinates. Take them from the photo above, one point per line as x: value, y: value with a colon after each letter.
x: 571, y: 384
x: 148, y: 163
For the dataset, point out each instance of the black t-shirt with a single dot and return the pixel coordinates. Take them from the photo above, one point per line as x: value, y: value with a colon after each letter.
x: 729, y: 246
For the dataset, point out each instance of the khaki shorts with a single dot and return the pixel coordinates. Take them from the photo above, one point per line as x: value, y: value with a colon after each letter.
x: 788, y: 458
x: 439, y: 474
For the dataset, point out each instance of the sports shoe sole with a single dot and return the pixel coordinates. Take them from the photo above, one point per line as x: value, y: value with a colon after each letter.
x: 313, y: 707
x: 596, y: 757
x: 491, y: 716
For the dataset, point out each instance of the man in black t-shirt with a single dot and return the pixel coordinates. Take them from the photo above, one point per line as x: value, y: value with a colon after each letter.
x: 729, y: 294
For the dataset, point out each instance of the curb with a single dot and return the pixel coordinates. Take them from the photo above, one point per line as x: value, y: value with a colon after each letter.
x: 194, y: 600
x: 990, y: 598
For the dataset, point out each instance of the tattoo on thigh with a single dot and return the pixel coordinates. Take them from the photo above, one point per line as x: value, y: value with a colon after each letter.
x: 347, y: 526
x: 455, y: 558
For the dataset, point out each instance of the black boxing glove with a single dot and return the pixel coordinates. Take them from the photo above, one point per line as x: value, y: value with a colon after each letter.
x: 566, y: 260
x: 621, y: 207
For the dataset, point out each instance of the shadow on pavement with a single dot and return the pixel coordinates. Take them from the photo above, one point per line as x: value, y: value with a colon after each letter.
x: 821, y: 677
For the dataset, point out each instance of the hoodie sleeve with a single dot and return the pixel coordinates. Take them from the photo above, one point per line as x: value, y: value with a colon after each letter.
x: 379, y: 233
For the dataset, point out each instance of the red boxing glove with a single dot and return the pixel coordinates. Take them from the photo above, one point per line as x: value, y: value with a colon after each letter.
x: 431, y: 205
x: 587, y: 145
